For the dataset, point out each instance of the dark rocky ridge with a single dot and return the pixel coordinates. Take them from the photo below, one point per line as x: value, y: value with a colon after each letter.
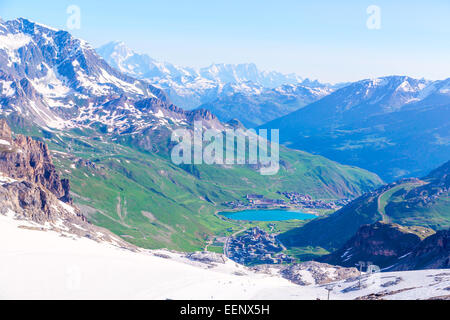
x: 431, y: 253
x: 32, y: 191
x: 380, y: 243
x: 30, y: 160
x: 393, y: 247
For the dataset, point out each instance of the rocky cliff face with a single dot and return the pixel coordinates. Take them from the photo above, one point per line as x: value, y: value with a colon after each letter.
x: 32, y: 191
x: 380, y: 243
x: 49, y: 77
x: 30, y: 187
x: 5, y: 131
x: 431, y: 253
x: 315, y: 273
x: 30, y: 160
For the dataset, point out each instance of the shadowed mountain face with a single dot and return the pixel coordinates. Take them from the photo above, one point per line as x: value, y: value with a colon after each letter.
x: 395, y: 248
x: 119, y: 56
x: 394, y: 126
x: 254, y: 108
x: 431, y: 253
x: 380, y: 243
x: 408, y: 202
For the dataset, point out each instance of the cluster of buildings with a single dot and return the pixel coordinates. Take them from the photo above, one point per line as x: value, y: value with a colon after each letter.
x: 293, y: 200
x: 425, y: 194
x: 306, y: 201
x: 256, y: 246
x: 256, y: 201
x: 236, y: 204
x: 260, y: 201
x: 296, y: 197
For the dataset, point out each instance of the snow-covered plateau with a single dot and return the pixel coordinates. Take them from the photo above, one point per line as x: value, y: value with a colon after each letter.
x: 38, y: 263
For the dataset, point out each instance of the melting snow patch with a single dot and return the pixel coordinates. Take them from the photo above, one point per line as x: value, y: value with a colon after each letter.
x: 4, y: 142
x: 67, y: 207
x: 4, y: 179
x: 14, y: 41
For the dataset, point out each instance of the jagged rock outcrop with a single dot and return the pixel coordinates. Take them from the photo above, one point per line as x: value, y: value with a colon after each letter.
x: 5, y: 131
x: 30, y: 160
x: 32, y: 191
x: 431, y: 253
x: 380, y: 243
x: 315, y: 273
x: 40, y: 209
x: 206, y: 257
x: 33, y: 202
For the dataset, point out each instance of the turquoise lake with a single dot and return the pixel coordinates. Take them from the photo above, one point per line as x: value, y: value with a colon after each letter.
x: 268, y: 215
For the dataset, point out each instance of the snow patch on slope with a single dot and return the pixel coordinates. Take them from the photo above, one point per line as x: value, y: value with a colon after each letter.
x: 11, y: 43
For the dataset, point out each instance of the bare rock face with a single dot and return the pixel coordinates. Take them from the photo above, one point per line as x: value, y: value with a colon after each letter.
x: 316, y: 273
x: 380, y: 243
x: 42, y: 210
x: 30, y: 160
x: 431, y: 253
x: 33, y: 202
x: 5, y: 131
x: 32, y: 191
x: 206, y: 257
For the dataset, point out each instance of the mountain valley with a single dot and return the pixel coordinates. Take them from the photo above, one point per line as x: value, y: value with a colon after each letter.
x: 110, y: 135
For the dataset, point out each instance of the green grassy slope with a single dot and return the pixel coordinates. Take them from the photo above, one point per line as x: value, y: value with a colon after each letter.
x: 149, y: 201
x: 409, y: 202
x: 407, y: 212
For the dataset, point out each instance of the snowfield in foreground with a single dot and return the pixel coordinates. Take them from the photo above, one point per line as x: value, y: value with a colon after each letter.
x: 48, y: 265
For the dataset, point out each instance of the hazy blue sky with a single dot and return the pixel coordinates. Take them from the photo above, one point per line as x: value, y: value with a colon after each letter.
x: 326, y: 40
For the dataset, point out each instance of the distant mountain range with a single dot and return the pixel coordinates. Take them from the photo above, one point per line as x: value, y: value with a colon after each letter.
x: 229, y: 91
x: 395, y: 126
x: 119, y: 56
x: 258, y: 106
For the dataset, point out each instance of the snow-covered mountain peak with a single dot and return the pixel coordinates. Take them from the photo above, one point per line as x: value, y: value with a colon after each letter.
x: 390, y: 92
x: 192, y: 87
x: 141, y: 65
x: 48, y: 76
